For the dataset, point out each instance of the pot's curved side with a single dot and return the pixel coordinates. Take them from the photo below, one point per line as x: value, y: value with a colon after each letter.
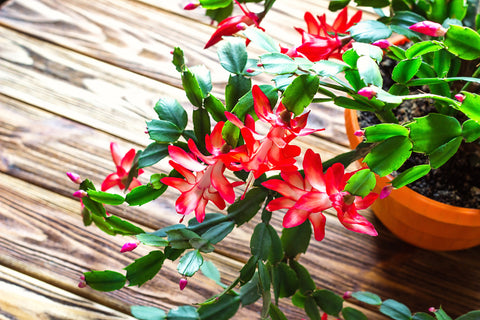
x: 418, y: 220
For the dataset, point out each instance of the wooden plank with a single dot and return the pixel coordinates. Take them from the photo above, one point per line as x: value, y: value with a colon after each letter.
x: 26, y: 298
x: 153, y: 31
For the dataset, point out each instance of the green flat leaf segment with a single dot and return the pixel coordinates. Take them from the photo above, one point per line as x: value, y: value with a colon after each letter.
x: 190, y: 263
x: 395, y: 310
x: 384, y: 131
x: 410, y: 175
x: 430, y: 132
x: 361, y: 183
x: 147, y: 313
x: 470, y: 106
x: 170, y: 110
x: 367, y: 297
x: 389, y: 155
x: 233, y: 55
x: 105, y: 197
x: 214, y: 4
x: 144, y: 268
x: 105, y: 280
x: 299, y: 94
x: 463, y: 42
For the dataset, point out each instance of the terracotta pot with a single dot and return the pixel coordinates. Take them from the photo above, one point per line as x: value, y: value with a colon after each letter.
x: 418, y: 220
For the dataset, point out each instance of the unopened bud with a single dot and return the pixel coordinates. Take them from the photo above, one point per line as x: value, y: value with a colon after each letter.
x: 183, y: 283
x: 129, y: 246
x: 191, y: 6
x: 460, y: 97
x: 250, y: 70
x: 367, y: 92
x: 80, y: 194
x: 347, y: 295
x: 359, y: 133
x: 385, y: 192
x: 429, y: 28
x: 432, y: 309
x: 383, y: 44
x: 82, y: 283
x: 74, y: 177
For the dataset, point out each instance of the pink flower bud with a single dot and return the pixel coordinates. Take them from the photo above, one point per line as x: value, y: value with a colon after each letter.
x: 429, y: 28
x: 460, y: 97
x: 82, y: 283
x: 367, y: 92
x: 432, y: 309
x: 347, y: 295
x: 80, y: 194
x: 129, y: 246
x: 183, y: 283
x: 75, y: 178
x: 385, y: 192
x: 191, y: 6
x: 259, y: 64
x: 359, y: 133
x: 250, y: 70
x: 383, y: 44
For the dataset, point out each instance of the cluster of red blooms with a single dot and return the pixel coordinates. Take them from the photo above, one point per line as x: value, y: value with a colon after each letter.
x: 305, y: 198
x: 319, y: 42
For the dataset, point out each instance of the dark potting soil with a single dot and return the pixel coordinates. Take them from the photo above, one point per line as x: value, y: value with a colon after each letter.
x: 457, y: 182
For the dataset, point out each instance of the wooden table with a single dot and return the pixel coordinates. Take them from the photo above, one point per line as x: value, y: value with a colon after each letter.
x: 77, y: 74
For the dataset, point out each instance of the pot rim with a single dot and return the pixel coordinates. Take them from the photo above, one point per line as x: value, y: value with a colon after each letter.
x: 434, y: 210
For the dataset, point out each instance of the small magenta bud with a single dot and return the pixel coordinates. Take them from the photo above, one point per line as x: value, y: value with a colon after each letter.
x: 385, y: 192
x: 429, y: 28
x: 367, y: 92
x: 82, y: 283
x: 259, y: 64
x: 80, y: 194
x: 460, y: 97
x: 129, y: 246
x: 359, y: 133
x: 191, y: 6
x: 75, y: 178
x: 183, y: 283
x: 250, y: 70
x: 383, y: 44
x: 432, y: 309
x: 347, y: 295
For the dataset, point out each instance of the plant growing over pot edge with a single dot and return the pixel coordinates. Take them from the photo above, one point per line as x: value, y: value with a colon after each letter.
x: 204, y: 161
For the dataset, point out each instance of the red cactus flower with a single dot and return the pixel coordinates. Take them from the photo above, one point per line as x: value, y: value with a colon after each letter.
x: 124, y: 165
x: 232, y: 25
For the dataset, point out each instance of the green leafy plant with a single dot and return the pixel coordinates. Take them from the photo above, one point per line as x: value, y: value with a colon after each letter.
x: 224, y: 151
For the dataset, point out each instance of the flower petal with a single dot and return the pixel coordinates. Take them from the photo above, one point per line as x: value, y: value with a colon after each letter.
x: 115, y: 151
x: 295, y: 217
x: 110, y: 181
x: 181, y: 157
x: 127, y: 160
x: 312, y: 165
x: 318, y: 221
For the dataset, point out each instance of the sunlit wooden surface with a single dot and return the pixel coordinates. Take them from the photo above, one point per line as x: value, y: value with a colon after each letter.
x: 77, y: 74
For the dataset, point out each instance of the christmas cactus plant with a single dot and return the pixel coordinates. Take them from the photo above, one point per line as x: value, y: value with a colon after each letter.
x: 241, y: 157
